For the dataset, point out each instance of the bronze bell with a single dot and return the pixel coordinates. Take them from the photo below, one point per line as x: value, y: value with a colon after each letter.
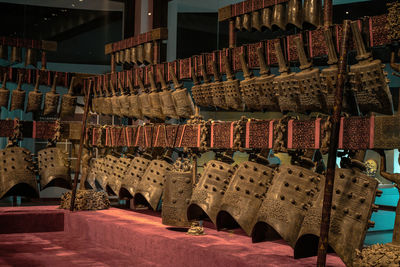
x: 134, y: 102
x: 35, y: 98
x: 266, y: 18
x: 140, y: 54
x: 18, y: 96
x: 155, y: 100
x: 122, y: 56
x: 183, y: 101
x: 134, y: 55
x: 295, y: 13
x: 4, y: 93
x: 123, y: 101
x: 238, y: 23
x: 68, y: 102
x: 116, y: 109
x: 106, y: 102
x: 256, y: 20
x: 246, y: 22
x: 16, y: 54
x: 3, y: 52
x: 31, y: 57
x: 312, y: 12
x: 51, y: 100
x: 148, y: 52
x: 127, y: 56
x: 117, y: 58
x: 167, y: 102
x: 144, y: 100
x: 279, y: 18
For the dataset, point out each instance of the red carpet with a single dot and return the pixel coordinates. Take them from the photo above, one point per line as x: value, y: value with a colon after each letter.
x: 125, y: 238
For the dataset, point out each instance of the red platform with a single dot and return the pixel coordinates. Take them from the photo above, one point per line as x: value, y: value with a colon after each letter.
x: 118, y: 237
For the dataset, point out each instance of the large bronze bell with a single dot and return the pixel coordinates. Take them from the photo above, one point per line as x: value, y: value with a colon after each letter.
x: 167, y: 102
x: 54, y: 168
x: 4, y: 93
x: 16, y: 54
x: 295, y: 14
x: 266, y: 18
x: 176, y: 197
x: 17, y: 173
x: 312, y: 12
x: 18, y: 96
x: 133, y: 176
x: 151, y: 186
x: 279, y: 16
x: 3, y: 52
x: 148, y: 53
x: 135, y: 110
x: 256, y: 20
x: 31, y: 57
x: 140, y: 54
x: 35, y: 98
x: 68, y: 102
x: 51, y: 100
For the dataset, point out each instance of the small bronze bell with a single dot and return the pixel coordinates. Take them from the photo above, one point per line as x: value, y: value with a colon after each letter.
x: 3, y: 52
x: 123, y: 101
x: 312, y: 12
x: 134, y: 55
x: 246, y: 22
x: 140, y: 54
x: 167, y: 102
x: 51, y: 100
x: 155, y: 101
x: 134, y: 101
x: 295, y: 13
x: 68, y: 102
x: 256, y: 21
x: 148, y: 52
x: 16, y: 54
x: 106, y: 102
x: 279, y: 16
x: 127, y: 54
x: 18, y: 96
x: 266, y: 18
x: 31, y: 57
x: 4, y: 93
x: 117, y: 58
x: 238, y: 23
x: 116, y: 109
x: 35, y: 98
x: 183, y: 101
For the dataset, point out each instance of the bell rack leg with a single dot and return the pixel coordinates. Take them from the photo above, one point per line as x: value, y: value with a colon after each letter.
x: 333, y: 146
x: 83, y: 131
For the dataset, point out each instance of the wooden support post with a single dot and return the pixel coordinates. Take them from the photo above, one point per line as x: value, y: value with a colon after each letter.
x: 83, y: 133
x: 333, y: 145
x: 232, y: 34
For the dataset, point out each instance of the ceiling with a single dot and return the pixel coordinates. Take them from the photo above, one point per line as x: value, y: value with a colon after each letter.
x: 100, y: 5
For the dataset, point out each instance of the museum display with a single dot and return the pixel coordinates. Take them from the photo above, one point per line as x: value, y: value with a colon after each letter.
x: 259, y: 121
